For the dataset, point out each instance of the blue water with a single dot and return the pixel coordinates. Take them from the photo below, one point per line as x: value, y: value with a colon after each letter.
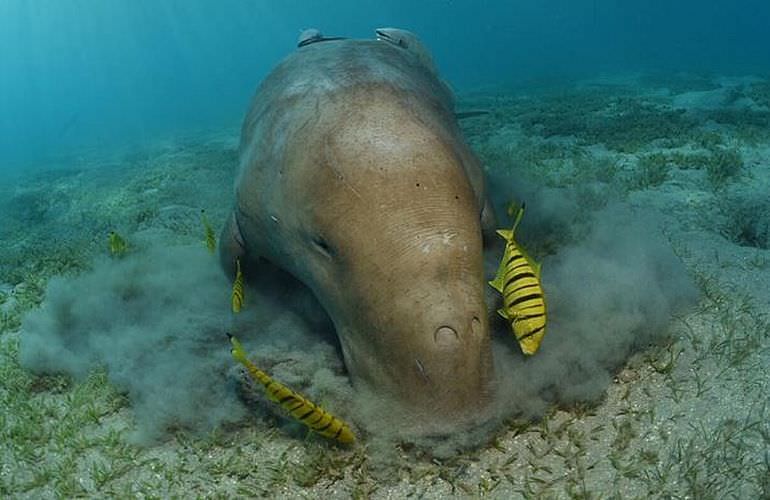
x: 78, y: 75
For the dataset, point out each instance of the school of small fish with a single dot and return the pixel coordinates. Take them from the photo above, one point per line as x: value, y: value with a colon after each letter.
x: 518, y: 280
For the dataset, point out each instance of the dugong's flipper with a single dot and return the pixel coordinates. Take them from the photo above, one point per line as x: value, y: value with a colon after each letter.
x: 409, y: 41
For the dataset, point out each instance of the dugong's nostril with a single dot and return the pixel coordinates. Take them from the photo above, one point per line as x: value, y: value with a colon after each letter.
x: 446, y: 336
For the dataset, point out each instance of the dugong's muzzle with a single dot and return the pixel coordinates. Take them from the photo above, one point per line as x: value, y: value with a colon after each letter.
x: 417, y: 334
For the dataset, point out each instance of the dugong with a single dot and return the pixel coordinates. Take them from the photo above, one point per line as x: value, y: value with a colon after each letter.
x: 354, y: 177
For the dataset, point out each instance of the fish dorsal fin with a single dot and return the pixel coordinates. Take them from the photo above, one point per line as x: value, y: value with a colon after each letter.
x: 508, y: 234
x: 535, y: 266
x: 519, y: 215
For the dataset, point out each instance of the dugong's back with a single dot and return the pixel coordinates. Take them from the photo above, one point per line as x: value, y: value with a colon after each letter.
x: 319, y: 71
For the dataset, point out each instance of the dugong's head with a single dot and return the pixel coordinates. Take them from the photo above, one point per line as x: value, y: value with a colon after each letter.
x: 389, y: 238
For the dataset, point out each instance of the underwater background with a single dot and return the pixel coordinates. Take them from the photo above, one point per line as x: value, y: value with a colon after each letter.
x: 638, y: 133
x: 112, y: 73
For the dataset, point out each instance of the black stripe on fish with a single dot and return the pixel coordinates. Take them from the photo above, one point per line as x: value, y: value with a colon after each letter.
x: 540, y: 306
x: 531, y: 316
x: 317, y: 425
x: 300, y: 403
x: 526, y: 298
x: 523, y: 264
x: 533, y: 332
x: 303, y: 417
x: 339, y: 431
x: 518, y: 277
x: 321, y: 415
x: 286, y: 398
x: 523, y: 287
x: 326, y: 426
x: 512, y: 258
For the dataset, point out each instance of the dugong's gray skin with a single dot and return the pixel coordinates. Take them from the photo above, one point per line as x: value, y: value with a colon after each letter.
x: 354, y: 177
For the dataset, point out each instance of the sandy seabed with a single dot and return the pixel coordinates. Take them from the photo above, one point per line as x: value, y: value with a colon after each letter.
x: 684, y: 417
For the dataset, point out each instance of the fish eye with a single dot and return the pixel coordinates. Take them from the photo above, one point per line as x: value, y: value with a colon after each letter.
x: 323, y: 246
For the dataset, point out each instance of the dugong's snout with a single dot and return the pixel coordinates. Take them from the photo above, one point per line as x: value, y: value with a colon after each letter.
x: 453, y: 352
x: 426, y: 345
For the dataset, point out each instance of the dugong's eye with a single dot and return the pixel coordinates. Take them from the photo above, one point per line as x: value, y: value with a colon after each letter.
x: 323, y: 246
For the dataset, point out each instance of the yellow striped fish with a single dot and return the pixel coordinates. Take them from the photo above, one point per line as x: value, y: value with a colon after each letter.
x: 299, y: 407
x: 237, y: 297
x: 210, y: 237
x: 116, y: 244
x: 518, y: 280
